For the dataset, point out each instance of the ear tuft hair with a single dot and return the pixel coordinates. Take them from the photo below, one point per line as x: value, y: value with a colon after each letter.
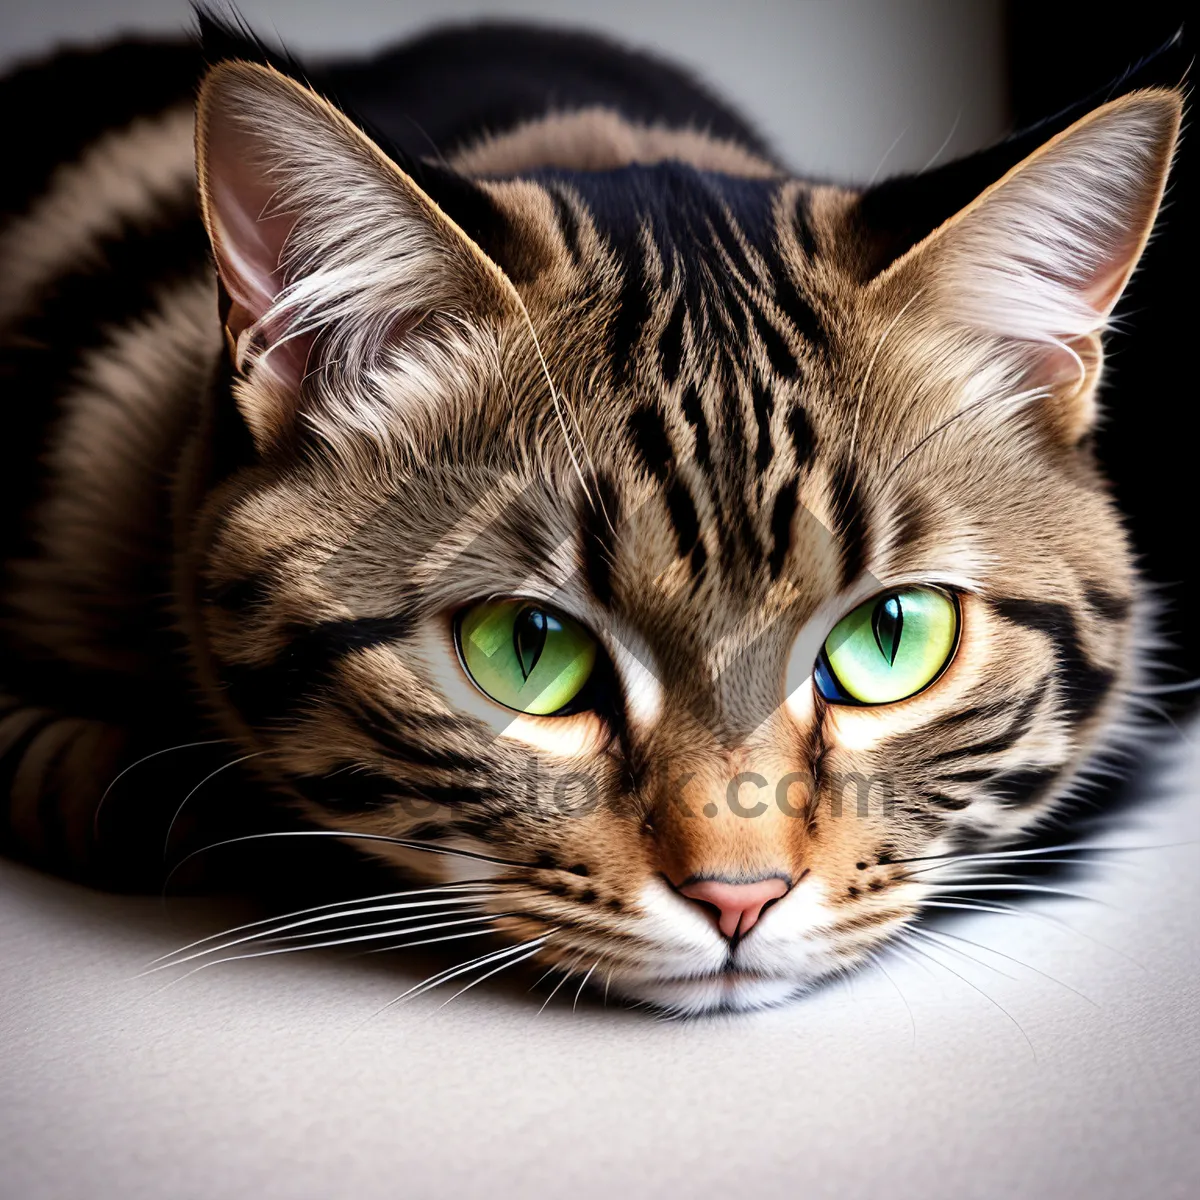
x: 1044, y: 254
x: 1038, y: 261
x: 331, y: 256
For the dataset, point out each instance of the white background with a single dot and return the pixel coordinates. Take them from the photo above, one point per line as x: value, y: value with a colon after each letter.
x: 272, y: 1078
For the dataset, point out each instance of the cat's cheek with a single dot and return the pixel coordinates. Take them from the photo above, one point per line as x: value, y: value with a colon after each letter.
x: 580, y: 735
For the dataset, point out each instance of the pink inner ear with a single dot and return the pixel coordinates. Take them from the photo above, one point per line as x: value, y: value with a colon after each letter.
x: 247, y: 244
x: 1112, y: 272
x: 248, y: 248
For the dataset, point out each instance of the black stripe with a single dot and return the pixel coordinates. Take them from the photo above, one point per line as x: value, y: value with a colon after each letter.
x: 73, y: 316
x: 1105, y: 604
x: 568, y: 222
x: 850, y: 521
x: 733, y: 459
x: 353, y: 789
x: 791, y: 303
x: 1017, y: 729
x: 912, y: 524
x: 693, y: 411
x: 781, y: 526
x: 1083, y: 686
x: 407, y: 737
x: 977, y: 775
x: 783, y: 361
x: 55, y: 107
x: 670, y: 343
x: 649, y: 432
x: 682, y: 510
x: 764, y: 406
x: 749, y: 535
x: 802, y: 225
x: 597, y: 522
x: 251, y: 591
x: 725, y: 231
x: 950, y: 803
x: 779, y: 354
x: 804, y: 440
x: 978, y: 712
x: 1016, y: 789
x: 632, y: 312
x: 306, y: 664
x: 727, y: 316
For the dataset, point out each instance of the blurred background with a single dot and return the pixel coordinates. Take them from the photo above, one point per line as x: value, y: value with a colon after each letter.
x: 852, y: 91
x: 843, y: 89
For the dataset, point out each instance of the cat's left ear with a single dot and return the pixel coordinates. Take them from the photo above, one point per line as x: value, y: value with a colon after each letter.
x: 1039, y: 260
x: 333, y: 262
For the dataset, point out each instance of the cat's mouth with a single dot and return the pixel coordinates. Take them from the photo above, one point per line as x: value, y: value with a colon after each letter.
x: 727, y: 989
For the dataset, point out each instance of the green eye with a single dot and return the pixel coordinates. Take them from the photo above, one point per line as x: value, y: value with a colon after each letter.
x: 525, y: 656
x: 889, y: 648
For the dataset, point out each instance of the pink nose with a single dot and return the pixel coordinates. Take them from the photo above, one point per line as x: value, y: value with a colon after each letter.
x: 738, y: 905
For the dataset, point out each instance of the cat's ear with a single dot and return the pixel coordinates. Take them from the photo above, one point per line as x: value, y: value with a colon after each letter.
x: 1041, y: 257
x: 328, y: 254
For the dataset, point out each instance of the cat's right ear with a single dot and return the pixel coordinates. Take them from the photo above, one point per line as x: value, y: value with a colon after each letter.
x: 1035, y: 264
x: 330, y: 257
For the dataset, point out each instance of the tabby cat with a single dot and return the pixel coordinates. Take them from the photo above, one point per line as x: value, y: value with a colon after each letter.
x: 676, y: 565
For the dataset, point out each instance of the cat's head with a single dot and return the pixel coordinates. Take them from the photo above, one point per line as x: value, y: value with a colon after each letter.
x: 699, y: 554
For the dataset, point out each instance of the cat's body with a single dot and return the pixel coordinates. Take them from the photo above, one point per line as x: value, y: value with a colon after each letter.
x: 606, y: 357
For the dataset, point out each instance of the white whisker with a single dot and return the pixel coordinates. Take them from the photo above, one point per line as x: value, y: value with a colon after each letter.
x: 346, y: 835
x: 1011, y: 910
x: 977, y: 988
x: 913, y: 932
x: 453, y: 892
x: 1086, y: 862
x: 965, y: 886
x: 504, y: 966
x: 567, y: 973
x: 146, y: 758
x: 333, y: 943
x: 903, y: 999
x: 1069, y: 847
x: 938, y: 933
x: 583, y: 984
x: 211, y: 775
x: 449, y: 973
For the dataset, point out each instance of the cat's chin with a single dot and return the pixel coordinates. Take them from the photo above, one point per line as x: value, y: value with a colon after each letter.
x: 726, y: 992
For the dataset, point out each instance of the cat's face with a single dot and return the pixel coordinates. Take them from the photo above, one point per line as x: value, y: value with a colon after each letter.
x: 698, y: 588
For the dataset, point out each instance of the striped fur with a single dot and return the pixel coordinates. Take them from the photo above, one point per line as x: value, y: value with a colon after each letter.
x: 593, y: 357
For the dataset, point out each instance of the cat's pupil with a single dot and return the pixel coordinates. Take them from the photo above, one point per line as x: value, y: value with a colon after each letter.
x: 529, y: 638
x: 887, y: 623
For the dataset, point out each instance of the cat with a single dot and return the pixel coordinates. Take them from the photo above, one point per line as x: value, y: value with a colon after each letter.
x: 679, y: 567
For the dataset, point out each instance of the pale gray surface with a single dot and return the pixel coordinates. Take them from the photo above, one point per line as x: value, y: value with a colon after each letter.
x: 261, y: 1079
x: 845, y: 89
